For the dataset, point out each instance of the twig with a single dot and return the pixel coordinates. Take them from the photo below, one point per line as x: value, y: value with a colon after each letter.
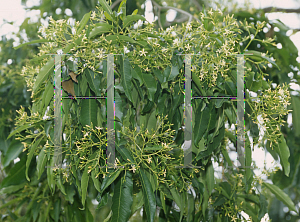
x: 115, y: 4
x: 286, y: 10
x: 198, y: 6
x: 176, y: 9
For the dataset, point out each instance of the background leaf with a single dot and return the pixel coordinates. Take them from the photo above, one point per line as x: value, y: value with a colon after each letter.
x: 122, y: 199
x: 149, y: 198
x: 280, y: 195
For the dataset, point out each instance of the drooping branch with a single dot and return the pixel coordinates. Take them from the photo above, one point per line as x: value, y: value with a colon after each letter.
x: 176, y: 9
x: 115, y: 4
x: 286, y: 10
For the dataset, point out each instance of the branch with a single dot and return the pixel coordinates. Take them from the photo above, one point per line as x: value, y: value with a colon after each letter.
x: 198, y: 6
x: 286, y: 10
x: 180, y: 20
x: 115, y: 4
x: 176, y: 9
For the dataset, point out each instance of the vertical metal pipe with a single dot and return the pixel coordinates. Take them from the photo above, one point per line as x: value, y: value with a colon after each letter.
x: 240, y: 130
x: 188, y: 113
x: 57, y: 158
x: 110, y: 112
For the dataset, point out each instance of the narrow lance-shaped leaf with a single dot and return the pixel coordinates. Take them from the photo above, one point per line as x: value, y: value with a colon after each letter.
x: 122, y: 199
x: 83, y: 21
x: 126, y: 78
x: 132, y: 18
x: 201, y: 124
x: 109, y: 178
x: 84, y: 185
x: 88, y: 114
x: 296, y: 115
x: 14, y: 149
x: 284, y: 153
x: 33, y: 42
x: 149, y: 198
x: 282, y: 196
x: 105, y: 6
x: 150, y: 83
x: 45, y: 71
x: 30, y: 155
x: 258, y: 55
x: 21, y: 128
x: 99, y: 30
x: 41, y: 162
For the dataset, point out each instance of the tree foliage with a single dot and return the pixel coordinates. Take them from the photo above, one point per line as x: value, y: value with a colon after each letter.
x: 149, y: 95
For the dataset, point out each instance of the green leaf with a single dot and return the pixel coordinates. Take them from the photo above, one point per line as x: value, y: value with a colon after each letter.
x: 99, y: 30
x: 284, y: 152
x: 109, y: 178
x: 57, y: 209
x: 163, y: 202
x: 96, y: 180
x: 122, y: 199
x: 30, y: 155
x: 88, y: 113
x: 105, y: 6
x: 125, y: 153
x: 93, y: 81
x: 70, y: 190
x: 74, y: 172
x: 126, y: 78
x: 12, y: 189
x: 84, y: 184
x: 201, y: 123
x: 50, y: 176
x: 41, y: 162
x: 83, y: 22
x: 48, y: 95
x: 252, y: 84
x: 149, y: 198
x: 60, y: 184
x: 135, y: 12
x: 137, y: 202
x: 282, y: 196
x: 32, y: 42
x: 13, y: 151
x: 216, y: 141
x: 131, y: 18
x: 151, y: 125
x: 230, y: 88
x: 13, y: 201
x: 137, y: 74
x: 210, y: 178
x: 174, y: 72
x: 258, y: 57
x: 108, y: 16
x: 16, y: 174
x: 45, y: 71
x: 248, y: 162
x: 122, y: 10
x: 296, y: 115
x: 177, y: 198
x: 263, y: 207
x: 219, y: 122
x: 21, y: 128
x: 150, y: 84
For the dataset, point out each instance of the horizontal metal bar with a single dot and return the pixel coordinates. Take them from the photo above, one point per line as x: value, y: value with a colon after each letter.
x: 189, y: 166
x: 59, y: 54
x: 228, y: 54
x: 81, y: 97
x: 74, y: 54
x: 213, y: 97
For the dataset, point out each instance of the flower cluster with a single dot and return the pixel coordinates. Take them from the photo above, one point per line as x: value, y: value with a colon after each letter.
x: 272, y: 106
